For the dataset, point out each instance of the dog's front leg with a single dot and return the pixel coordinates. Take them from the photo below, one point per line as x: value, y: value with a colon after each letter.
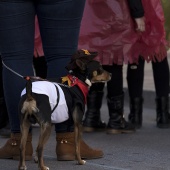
x: 44, y: 136
x: 25, y: 125
x: 77, y: 117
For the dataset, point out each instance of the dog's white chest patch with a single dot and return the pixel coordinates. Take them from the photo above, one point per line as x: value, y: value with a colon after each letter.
x: 60, y: 114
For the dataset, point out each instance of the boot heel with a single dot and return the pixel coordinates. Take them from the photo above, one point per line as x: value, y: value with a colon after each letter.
x: 162, y: 110
x: 27, y: 158
x: 88, y: 129
x: 66, y: 157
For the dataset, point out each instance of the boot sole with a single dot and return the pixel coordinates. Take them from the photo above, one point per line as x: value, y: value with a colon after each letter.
x: 163, y: 126
x: 27, y: 158
x: 113, y: 131
x: 89, y: 158
x: 90, y: 129
x: 72, y: 158
x: 66, y: 158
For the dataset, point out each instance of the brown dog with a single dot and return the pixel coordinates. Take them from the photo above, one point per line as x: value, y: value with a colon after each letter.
x: 37, y: 102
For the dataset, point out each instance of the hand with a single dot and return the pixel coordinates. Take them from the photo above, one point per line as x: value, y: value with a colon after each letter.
x: 140, y: 22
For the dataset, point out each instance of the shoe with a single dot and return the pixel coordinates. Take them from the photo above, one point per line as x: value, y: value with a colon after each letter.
x: 162, y: 111
x: 92, y: 121
x: 65, y: 148
x: 11, y: 150
x: 136, y: 109
x: 117, y: 123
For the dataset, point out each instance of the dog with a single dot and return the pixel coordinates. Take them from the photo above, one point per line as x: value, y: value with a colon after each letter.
x: 46, y: 102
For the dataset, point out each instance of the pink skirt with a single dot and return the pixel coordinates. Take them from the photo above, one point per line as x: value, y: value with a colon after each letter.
x: 108, y: 28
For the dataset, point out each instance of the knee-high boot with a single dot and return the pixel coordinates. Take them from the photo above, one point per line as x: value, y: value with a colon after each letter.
x: 92, y: 120
x: 117, y: 122
x: 162, y: 110
x: 136, y: 109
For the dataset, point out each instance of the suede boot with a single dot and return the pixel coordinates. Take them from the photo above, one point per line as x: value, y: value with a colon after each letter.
x: 162, y: 110
x: 92, y: 121
x: 65, y: 148
x: 136, y: 109
x: 12, y: 148
x: 117, y: 123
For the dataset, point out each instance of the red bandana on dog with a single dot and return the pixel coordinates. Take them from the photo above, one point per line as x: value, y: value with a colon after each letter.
x: 72, y: 81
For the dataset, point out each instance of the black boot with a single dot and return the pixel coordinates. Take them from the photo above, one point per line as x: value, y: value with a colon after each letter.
x: 92, y: 121
x: 136, y: 109
x: 117, y: 123
x: 162, y: 109
x: 3, y: 113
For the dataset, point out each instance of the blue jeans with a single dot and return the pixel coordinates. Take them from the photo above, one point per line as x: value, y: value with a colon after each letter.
x: 59, y: 22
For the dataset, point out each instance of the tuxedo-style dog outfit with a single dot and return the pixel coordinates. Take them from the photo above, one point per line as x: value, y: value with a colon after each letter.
x: 46, y: 102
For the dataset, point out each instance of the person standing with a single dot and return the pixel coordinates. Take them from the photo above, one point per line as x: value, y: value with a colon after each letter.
x: 59, y: 24
x: 153, y: 43
x: 113, y: 32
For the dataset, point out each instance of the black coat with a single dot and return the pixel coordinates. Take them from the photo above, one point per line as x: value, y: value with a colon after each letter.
x: 136, y: 8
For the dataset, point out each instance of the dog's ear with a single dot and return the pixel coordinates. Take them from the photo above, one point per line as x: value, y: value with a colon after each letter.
x: 81, y: 64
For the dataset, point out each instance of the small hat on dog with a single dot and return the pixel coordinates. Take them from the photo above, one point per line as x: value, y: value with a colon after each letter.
x: 84, y: 55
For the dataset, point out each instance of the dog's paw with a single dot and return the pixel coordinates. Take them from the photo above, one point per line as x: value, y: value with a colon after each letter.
x: 35, y: 159
x: 22, y: 168
x: 45, y: 168
x: 82, y: 162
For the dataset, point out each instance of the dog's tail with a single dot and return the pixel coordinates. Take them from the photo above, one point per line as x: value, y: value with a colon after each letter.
x: 29, y: 106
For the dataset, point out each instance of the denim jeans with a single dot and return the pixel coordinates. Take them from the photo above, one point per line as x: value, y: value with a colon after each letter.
x: 59, y: 22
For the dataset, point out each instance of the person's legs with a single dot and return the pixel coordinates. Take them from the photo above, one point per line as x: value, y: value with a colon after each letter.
x: 115, y: 102
x: 92, y: 121
x: 161, y: 80
x: 135, y: 77
x: 59, y: 31
x: 16, y: 46
x: 59, y: 22
x: 3, y: 110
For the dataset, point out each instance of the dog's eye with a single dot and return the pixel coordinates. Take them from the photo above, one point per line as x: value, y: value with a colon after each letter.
x: 94, y: 73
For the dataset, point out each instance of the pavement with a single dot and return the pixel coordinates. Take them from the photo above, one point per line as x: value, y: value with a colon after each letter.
x: 146, y: 149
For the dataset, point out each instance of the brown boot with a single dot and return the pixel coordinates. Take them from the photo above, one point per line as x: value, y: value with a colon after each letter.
x: 65, y: 148
x: 11, y: 148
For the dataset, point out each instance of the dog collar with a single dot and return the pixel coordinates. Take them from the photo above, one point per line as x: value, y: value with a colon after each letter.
x: 72, y: 81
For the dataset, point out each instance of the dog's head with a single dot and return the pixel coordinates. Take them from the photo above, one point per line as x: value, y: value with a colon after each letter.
x: 87, y: 69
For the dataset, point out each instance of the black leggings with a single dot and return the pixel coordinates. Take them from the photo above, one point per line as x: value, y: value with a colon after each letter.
x: 115, y: 85
x: 135, y: 78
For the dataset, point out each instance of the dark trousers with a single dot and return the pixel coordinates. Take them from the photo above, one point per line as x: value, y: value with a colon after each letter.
x: 59, y: 22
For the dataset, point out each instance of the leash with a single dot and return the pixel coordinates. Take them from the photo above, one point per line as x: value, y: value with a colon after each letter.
x: 33, y: 78
x: 12, y: 70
